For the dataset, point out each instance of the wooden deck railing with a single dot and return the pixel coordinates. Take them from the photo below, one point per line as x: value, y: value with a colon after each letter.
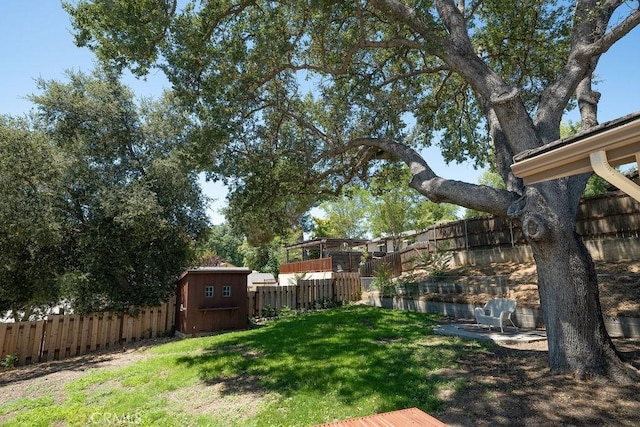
x: 312, y: 265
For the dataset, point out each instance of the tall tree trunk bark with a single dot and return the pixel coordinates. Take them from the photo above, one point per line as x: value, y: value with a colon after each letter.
x: 569, y: 297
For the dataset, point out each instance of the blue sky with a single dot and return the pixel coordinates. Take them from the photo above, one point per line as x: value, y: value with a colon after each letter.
x: 35, y: 41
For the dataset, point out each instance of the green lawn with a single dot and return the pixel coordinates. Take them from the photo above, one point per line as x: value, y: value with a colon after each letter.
x: 302, y: 370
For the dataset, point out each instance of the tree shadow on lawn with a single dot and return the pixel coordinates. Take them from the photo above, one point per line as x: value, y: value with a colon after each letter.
x: 506, y: 387
x: 78, y: 364
x: 349, y: 355
x: 352, y: 355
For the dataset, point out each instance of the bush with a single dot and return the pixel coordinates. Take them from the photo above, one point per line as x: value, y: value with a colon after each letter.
x: 383, y: 281
x: 268, y: 311
x: 287, y: 311
x: 436, y: 263
x: 9, y: 361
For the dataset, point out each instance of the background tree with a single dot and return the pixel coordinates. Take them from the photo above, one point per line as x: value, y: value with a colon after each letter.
x: 265, y: 258
x: 396, y: 208
x: 33, y: 234
x: 346, y: 216
x: 105, y: 211
x: 224, y: 243
x: 491, y: 78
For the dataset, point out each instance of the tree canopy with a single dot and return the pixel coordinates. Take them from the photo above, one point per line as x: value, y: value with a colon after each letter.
x: 33, y: 239
x: 346, y: 215
x: 294, y: 99
x: 99, y: 209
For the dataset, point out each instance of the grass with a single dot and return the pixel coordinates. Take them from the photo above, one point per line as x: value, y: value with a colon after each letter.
x: 302, y: 370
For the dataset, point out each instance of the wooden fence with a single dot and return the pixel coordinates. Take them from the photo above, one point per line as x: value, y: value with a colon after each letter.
x: 390, y: 262
x: 607, y: 216
x: 305, y: 295
x: 62, y: 336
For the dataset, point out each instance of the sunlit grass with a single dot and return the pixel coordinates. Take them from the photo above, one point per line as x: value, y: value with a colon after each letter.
x: 303, y: 370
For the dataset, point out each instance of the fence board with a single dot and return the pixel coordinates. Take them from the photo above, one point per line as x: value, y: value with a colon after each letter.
x: 74, y: 345
x: 155, y: 315
x: 148, y: 330
x: 84, y: 334
x: 143, y: 321
x: 66, y: 337
x: 103, y: 325
x: 93, y: 336
x: 251, y: 304
x: 51, y: 336
x: 128, y: 328
x: 36, y: 345
x: 114, y: 333
x: 3, y: 335
x: 61, y: 340
x: 24, y: 330
x: 10, y: 339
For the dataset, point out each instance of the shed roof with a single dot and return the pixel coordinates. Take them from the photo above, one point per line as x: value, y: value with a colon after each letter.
x: 204, y: 270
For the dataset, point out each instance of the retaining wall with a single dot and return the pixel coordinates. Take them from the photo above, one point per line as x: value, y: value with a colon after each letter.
x: 525, y: 317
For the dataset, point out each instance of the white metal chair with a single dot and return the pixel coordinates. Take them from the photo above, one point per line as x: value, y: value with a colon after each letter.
x: 496, y: 312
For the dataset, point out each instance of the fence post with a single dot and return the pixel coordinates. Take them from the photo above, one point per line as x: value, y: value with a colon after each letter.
x: 466, y: 236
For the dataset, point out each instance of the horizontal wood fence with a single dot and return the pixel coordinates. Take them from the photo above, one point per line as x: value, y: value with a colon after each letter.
x: 607, y: 216
x: 339, y: 261
x: 322, y: 264
x: 307, y: 294
x: 62, y: 336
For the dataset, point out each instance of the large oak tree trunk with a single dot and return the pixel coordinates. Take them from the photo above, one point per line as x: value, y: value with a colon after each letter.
x: 568, y: 288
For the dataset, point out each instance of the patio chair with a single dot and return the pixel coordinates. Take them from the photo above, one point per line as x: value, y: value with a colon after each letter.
x: 496, y: 312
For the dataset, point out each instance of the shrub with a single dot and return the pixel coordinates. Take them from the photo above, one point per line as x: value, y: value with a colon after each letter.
x: 9, y: 361
x: 287, y: 311
x: 436, y: 263
x: 268, y: 311
x: 383, y: 281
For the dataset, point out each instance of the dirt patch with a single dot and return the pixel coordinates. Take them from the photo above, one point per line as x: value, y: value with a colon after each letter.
x: 233, y: 398
x: 49, y: 378
x: 511, y: 385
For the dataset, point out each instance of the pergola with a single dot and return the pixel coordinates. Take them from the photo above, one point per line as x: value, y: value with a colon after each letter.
x: 597, y: 150
x: 325, y: 245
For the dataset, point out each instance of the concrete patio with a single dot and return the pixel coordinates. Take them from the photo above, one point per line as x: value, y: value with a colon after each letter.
x: 472, y: 331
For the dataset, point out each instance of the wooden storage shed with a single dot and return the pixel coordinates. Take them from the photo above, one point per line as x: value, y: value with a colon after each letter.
x: 211, y: 299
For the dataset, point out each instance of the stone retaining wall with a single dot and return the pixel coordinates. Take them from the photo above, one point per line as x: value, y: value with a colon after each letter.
x: 525, y: 317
